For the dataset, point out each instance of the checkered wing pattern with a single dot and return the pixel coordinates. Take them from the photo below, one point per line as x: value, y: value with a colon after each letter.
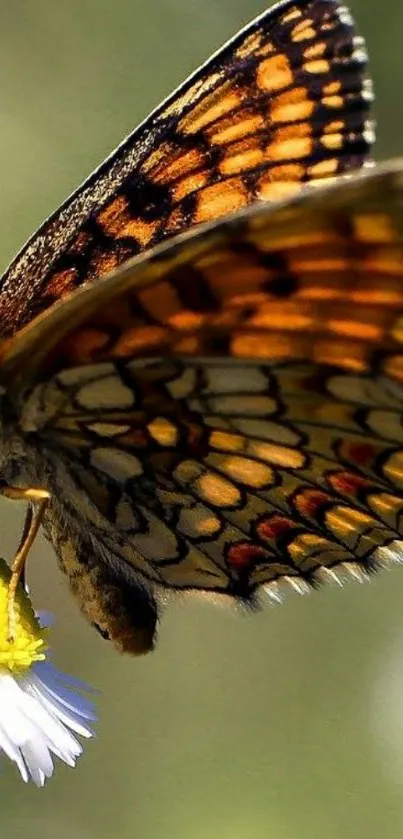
x: 284, y: 103
x: 231, y: 405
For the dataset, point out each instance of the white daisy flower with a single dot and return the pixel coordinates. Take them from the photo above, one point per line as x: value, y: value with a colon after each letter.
x: 40, y: 711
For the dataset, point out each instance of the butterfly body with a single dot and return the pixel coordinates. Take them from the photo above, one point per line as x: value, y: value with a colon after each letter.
x: 218, y: 413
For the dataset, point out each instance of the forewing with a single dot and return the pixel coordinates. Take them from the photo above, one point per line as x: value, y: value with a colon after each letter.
x: 285, y: 102
x: 243, y: 425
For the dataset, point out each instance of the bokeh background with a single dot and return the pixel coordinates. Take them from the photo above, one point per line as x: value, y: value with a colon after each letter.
x: 288, y: 724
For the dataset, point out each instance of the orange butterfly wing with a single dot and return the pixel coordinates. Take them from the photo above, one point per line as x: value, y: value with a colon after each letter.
x: 285, y: 102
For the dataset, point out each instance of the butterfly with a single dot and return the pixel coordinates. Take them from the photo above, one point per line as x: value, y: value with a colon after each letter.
x: 200, y: 352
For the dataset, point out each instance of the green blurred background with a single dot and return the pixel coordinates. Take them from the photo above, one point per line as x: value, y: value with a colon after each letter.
x: 288, y: 724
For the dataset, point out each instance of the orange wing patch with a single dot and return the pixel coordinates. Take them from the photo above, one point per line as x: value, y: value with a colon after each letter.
x: 116, y: 220
x: 274, y: 74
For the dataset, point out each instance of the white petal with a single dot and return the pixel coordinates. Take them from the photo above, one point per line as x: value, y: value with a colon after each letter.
x: 39, y: 717
x: 11, y: 750
x: 56, y: 685
x: 20, y: 737
x: 52, y: 728
x: 53, y: 707
x: 38, y: 761
x: 49, y: 673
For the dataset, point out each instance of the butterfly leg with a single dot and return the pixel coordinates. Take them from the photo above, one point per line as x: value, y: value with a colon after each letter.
x: 39, y: 499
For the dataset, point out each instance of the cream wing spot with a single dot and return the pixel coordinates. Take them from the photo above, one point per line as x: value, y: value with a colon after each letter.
x: 386, y: 424
x: 108, y: 429
x: 107, y: 393
x: 266, y: 430
x: 118, y: 465
x: 183, y: 385
x: 234, y: 380
x: 242, y: 405
x: 125, y: 518
x: 217, y: 423
x: 195, y: 570
x: 88, y: 372
x: 187, y: 471
x: 345, y: 16
x: 159, y: 543
x: 354, y: 388
x: 198, y: 522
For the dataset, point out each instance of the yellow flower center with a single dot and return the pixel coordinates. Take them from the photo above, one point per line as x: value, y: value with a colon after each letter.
x: 28, y: 645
